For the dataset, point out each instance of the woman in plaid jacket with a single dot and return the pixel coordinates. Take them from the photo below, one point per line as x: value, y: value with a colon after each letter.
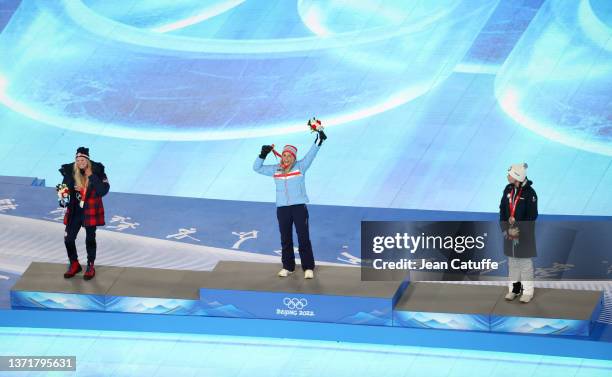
x: 87, y: 183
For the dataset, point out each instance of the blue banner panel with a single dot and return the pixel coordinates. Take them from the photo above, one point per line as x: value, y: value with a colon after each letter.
x: 151, y: 305
x: 445, y: 321
x: 295, y: 306
x: 545, y: 326
x: 54, y: 300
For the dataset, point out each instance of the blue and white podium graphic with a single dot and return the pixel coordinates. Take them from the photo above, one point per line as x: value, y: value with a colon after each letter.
x: 303, y: 307
x: 152, y: 305
x: 547, y: 326
x: 444, y: 321
x: 586, y: 309
x: 53, y: 300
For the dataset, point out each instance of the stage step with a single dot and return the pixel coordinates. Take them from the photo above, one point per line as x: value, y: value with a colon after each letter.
x: 447, y: 306
x: 337, y: 294
x: 484, y: 308
x: 119, y: 289
x: 551, y: 311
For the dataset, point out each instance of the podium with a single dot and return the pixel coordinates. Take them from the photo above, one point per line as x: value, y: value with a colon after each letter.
x: 337, y: 295
x: 484, y: 308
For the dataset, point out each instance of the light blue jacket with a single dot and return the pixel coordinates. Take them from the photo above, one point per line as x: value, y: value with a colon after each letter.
x: 290, y: 187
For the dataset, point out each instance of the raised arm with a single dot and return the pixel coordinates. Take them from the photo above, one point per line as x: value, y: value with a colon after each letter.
x: 258, y: 165
x: 310, y: 156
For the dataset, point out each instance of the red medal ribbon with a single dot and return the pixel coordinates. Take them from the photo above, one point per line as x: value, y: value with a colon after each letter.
x: 280, y: 156
x: 513, y: 202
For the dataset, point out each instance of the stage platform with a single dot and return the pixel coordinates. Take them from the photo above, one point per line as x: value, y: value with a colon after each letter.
x: 447, y: 306
x: 232, y: 289
x: 552, y: 311
x: 337, y: 295
x: 252, y: 290
x: 484, y: 308
x: 121, y: 289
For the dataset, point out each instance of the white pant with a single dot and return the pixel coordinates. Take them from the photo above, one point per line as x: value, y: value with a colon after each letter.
x: 521, y: 269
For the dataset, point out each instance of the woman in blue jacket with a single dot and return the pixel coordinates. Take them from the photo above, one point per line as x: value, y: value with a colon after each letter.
x: 291, y: 202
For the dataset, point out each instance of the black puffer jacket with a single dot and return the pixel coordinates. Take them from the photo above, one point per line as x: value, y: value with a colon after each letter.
x: 525, y: 215
x: 98, y: 181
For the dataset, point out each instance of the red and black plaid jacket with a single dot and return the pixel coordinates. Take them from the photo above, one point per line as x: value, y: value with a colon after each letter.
x: 93, y: 206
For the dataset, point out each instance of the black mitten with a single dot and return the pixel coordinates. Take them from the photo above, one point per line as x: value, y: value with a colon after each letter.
x: 265, y: 149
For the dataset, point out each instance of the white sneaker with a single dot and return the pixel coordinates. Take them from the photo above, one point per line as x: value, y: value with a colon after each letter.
x: 511, y: 296
x: 284, y: 273
x: 526, y: 298
x: 309, y: 274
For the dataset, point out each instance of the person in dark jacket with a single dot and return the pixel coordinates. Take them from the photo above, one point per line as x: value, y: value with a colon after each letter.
x: 518, y: 211
x: 87, y: 183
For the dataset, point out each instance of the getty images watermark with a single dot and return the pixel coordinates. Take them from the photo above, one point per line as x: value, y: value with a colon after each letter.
x: 480, y: 250
x: 411, y: 244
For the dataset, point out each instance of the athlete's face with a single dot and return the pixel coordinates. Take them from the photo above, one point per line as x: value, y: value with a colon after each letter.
x: 81, y: 162
x: 511, y: 180
x: 288, y: 159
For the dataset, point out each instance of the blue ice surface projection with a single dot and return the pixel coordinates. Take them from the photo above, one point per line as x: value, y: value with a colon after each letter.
x: 123, y: 353
x: 426, y: 103
x: 558, y: 79
x: 182, y: 87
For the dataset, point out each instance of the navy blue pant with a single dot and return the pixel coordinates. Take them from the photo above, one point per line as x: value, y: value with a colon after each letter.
x: 72, y: 229
x: 298, y: 215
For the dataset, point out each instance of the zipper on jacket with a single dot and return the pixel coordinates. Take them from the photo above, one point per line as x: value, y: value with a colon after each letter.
x: 286, y: 191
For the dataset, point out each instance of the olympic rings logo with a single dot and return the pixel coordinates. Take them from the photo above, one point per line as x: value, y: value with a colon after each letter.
x: 295, y: 303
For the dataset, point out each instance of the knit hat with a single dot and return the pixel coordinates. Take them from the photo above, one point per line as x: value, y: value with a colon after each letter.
x: 291, y: 150
x: 518, y: 171
x: 82, y: 152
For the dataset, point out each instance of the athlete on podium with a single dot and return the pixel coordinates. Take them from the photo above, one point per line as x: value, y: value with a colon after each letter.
x: 81, y: 192
x: 289, y: 176
x: 518, y: 211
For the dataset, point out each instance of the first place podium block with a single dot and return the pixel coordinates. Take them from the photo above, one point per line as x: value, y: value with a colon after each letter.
x: 337, y: 294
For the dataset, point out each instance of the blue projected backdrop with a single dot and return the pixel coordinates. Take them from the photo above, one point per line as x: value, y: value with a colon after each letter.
x: 426, y: 103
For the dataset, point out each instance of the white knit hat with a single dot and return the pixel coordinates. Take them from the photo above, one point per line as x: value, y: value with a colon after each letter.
x: 518, y: 171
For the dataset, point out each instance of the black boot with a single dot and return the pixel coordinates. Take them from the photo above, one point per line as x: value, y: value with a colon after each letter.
x: 517, y: 288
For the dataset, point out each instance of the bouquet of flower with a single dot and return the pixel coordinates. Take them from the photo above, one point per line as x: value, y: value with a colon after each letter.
x: 315, y: 125
x: 63, y: 194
